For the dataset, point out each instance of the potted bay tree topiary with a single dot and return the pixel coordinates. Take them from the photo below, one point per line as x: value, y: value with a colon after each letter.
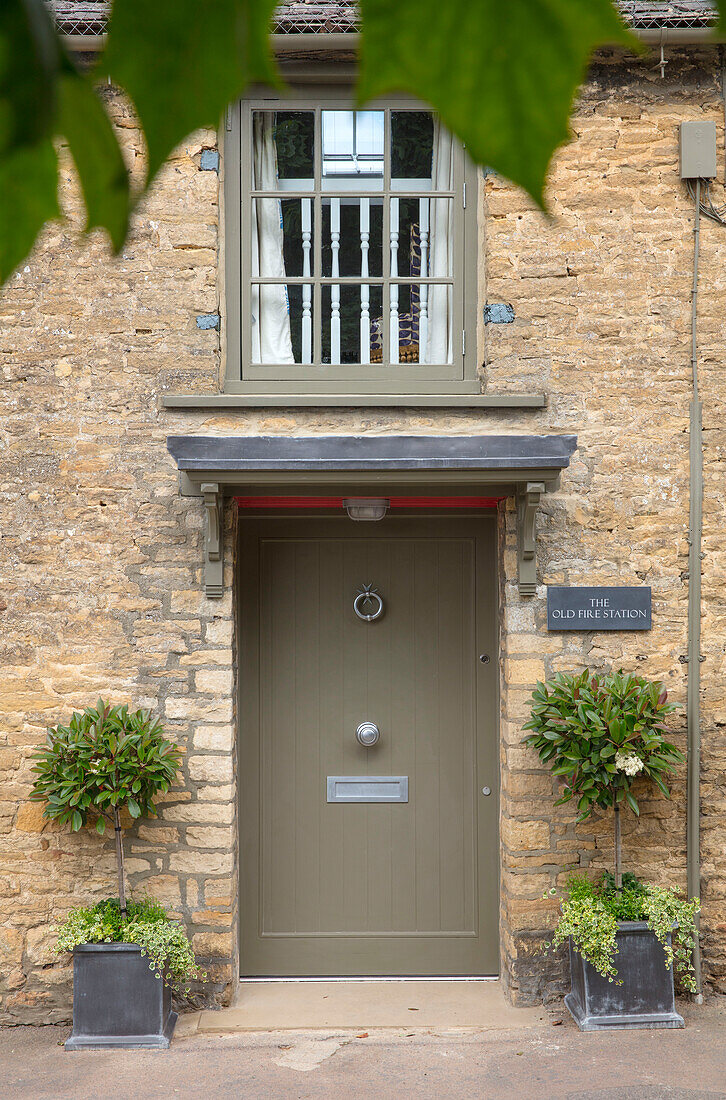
x: 126, y: 954
x: 599, y: 733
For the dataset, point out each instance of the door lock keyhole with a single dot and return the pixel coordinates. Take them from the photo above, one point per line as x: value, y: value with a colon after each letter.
x: 484, y: 658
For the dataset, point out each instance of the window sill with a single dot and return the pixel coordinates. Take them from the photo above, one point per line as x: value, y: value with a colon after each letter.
x: 353, y: 401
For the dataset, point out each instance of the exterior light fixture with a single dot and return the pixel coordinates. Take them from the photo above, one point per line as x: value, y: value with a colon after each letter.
x: 366, y: 508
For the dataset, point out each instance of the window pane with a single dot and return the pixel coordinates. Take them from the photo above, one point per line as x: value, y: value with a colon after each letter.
x: 369, y: 134
x: 281, y: 237
x: 421, y: 313
x: 338, y: 136
x: 282, y: 317
x: 353, y: 148
x: 421, y: 237
x: 412, y: 143
x: 283, y: 150
x: 351, y: 320
x: 352, y: 236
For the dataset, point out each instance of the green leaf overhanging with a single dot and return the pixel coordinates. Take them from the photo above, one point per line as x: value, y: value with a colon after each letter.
x: 29, y: 63
x: 28, y: 199
x: 83, y: 121
x: 502, y: 76
x: 182, y: 62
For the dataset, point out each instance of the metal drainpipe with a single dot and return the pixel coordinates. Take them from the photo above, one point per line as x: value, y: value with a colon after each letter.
x: 693, y: 696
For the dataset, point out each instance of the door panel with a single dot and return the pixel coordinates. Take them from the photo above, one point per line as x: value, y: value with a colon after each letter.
x: 356, y: 888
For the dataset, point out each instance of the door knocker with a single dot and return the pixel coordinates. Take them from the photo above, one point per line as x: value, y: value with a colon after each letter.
x: 368, y: 597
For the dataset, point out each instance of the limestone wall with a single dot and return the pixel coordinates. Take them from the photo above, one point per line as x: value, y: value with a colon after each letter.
x: 601, y: 296
x: 100, y: 557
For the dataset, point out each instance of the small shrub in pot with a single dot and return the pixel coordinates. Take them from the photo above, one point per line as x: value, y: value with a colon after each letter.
x: 598, y: 733
x: 106, y: 760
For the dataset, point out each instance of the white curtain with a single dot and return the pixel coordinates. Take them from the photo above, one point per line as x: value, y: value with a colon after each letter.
x: 441, y: 244
x: 271, y: 341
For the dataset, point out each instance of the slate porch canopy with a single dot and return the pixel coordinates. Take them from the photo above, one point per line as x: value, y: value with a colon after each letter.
x: 522, y: 466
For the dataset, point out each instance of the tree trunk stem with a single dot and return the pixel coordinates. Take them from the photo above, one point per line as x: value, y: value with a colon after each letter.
x: 120, y: 862
x: 618, y: 851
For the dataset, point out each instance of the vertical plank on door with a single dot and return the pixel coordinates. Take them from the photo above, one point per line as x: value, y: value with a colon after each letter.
x: 333, y: 626
x: 304, y: 683
x: 456, y: 763
x: 426, y: 734
x: 278, y: 645
x: 382, y: 821
x: 403, y: 759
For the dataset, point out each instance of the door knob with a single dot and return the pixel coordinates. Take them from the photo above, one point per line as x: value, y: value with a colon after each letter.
x: 368, y: 734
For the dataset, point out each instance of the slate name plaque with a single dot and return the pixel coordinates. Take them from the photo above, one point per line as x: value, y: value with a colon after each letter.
x: 598, y: 608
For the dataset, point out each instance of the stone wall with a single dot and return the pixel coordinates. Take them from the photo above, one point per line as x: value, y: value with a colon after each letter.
x: 100, y: 557
x: 101, y: 572
x: 601, y: 296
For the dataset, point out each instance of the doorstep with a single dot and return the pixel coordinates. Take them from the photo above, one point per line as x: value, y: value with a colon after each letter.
x: 283, y: 1006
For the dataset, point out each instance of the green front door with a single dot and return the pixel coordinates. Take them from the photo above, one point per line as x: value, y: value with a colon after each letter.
x: 404, y: 882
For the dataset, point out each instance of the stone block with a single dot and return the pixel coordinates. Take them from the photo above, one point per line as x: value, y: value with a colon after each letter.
x: 210, y: 769
x: 194, y: 709
x: 215, y: 738
x: 209, y: 837
x: 207, y: 813
x: 166, y: 889
x: 39, y: 946
x: 11, y: 946
x: 201, y: 863
x: 213, y: 944
x: 527, y: 784
x: 524, y: 671
x: 158, y: 834
x: 224, y: 793
x: 220, y: 631
x: 215, y: 895
x: 204, y: 657
x: 214, y: 681
x: 218, y: 918
x: 29, y: 818
x: 524, y: 836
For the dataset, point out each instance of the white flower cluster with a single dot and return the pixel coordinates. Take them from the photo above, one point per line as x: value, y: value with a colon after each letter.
x: 628, y: 763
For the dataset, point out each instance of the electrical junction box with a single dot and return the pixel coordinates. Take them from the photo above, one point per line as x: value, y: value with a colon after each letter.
x: 698, y: 150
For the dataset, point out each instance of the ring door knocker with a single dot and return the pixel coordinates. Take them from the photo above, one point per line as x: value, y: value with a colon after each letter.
x: 368, y: 597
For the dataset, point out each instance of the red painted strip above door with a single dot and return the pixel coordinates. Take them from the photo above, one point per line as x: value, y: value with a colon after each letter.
x: 395, y: 502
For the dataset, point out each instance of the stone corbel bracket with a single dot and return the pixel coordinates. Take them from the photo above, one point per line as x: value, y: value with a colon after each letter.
x: 213, y: 540
x: 528, y: 501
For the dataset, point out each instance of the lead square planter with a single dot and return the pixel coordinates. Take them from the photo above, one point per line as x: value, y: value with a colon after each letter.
x: 645, y: 999
x: 117, y: 1000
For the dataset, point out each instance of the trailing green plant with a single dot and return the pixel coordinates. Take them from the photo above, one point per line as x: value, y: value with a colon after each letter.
x: 590, y: 912
x: 106, y: 759
x: 598, y: 732
x: 146, y: 923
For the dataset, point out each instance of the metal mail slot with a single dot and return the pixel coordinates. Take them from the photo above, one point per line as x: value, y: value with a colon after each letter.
x: 367, y: 788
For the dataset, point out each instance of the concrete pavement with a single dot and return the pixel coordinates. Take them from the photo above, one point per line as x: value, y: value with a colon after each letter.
x: 552, y: 1061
